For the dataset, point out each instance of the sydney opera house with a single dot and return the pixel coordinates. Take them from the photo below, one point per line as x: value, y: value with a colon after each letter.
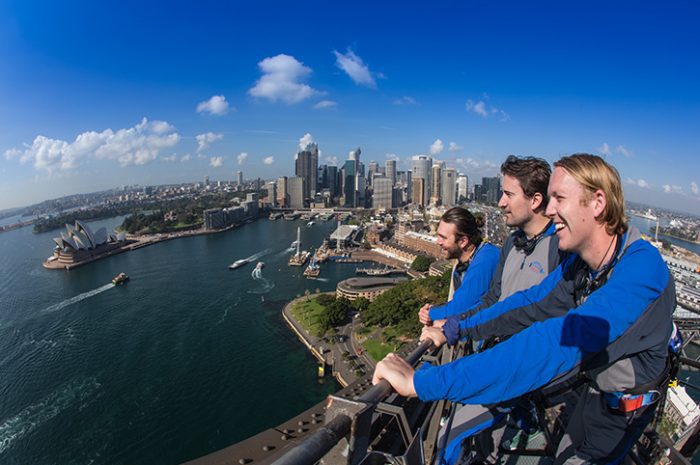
x: 78, y: 245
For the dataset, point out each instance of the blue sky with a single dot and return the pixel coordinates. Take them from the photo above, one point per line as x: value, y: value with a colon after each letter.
x: 95, y: 95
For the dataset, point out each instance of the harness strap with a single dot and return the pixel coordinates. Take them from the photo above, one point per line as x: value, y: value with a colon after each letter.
x: 626, y: 403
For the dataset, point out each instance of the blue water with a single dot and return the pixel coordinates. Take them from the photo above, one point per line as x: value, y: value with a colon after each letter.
x: 186, y: 358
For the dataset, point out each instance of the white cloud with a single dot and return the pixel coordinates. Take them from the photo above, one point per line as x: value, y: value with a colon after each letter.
x: 206, y: 139
x: 405, y: 100
x: 604, y: 149
x: 454, y: 147
x: 477, y: 107
x: 672, y: 188
x: 694, y: 187
x: 12, y: 153
x: 622, y: 150
x: 305, y: 140
x: 325, y: 104
x: 355, y: 68
x: 186, y: 157
x: 216, y: 161
x: 268, y: 160
x: 332, y: 160
x: 393, y: 156
x: 201, y: 156
x: 471, y: 165
x: 482, y: 109
x: 138, y: 145
x: 216, y: 105
x: 638, y: 182
x: 171, y: 158
x: 282, y: 79
x: 436, y: 147
x: 241, y: 157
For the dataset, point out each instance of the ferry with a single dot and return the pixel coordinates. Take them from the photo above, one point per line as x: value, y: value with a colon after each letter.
x: 239, y: 263
x: 119, y: 279
x: 313, y: 270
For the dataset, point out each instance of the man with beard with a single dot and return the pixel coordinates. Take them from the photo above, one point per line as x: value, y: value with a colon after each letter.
x: 529, y: 254
x: 604, y: 313
x: 459, y: 235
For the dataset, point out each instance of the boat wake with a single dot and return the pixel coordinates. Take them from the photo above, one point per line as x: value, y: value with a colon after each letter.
x: 78, y: 298
x: 264, y: 285
x: 285, y: 251
x: 29, y: 419
x: 259, y: 255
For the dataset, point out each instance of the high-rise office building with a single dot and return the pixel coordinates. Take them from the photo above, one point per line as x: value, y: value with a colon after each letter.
x: 271, y: 188
x: 390, y: 170
x: 420, y: 168
x: 282, y: 193
x: 333, y: 180
x: 295, y: 189
x: 372, y: 169
x: 383, y: 193
x: 436, y: 184
x: 491, y: 189
x: 239, y: 178
x: 418, y: 188
x: 306, y: 167
x: 462, y: 187
x: 449, y: 187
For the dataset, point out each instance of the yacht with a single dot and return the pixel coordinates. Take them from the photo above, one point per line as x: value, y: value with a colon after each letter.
x: 119, y: 279
x: 239, y: 263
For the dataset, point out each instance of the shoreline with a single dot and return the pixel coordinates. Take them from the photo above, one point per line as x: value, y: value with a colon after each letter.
x: 135, y: 242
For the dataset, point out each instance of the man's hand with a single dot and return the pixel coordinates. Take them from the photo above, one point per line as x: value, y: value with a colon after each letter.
x: 397, y: 372
x: 434, y: 334
x: 424, y: 315
x: 439, y: 323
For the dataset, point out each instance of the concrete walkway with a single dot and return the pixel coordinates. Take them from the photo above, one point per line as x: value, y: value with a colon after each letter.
x: 332, y: 352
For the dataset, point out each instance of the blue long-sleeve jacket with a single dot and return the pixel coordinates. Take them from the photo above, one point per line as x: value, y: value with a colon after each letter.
x: 475, y: 282
x: 619, y: 335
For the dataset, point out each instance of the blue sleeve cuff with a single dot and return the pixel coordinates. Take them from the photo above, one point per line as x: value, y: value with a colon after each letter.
x: 451, y: 330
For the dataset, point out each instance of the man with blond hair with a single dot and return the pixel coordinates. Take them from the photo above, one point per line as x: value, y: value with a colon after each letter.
x: 603, y: 314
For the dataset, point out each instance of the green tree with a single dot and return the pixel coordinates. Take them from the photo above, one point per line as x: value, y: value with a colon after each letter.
x: 421, y: 263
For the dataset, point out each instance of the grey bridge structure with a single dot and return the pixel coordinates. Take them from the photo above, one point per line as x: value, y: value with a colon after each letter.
x: 373, y: 425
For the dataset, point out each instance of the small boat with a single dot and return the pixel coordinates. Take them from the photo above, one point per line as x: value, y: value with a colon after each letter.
x: 238, y: 263
x: 260, y: 266
x: 309, y: 224
x: 120, y: 279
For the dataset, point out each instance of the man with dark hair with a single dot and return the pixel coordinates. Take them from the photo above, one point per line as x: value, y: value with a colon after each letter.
x: 459, y: 235
x: 605, y: 312
x: 529, y: 254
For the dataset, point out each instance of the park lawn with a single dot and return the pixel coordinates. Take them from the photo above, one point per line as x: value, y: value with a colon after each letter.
x: 377, y: 349
x: 307, y: 313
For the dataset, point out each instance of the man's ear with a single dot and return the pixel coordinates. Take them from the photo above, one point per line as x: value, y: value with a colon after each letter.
x: 536, y: 202
x: 599, y: 202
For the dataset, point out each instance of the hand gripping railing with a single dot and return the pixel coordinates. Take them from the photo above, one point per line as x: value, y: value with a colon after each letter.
x: 342, y: 417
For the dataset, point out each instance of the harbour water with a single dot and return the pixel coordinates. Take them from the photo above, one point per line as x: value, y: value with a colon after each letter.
x: 186, y: 358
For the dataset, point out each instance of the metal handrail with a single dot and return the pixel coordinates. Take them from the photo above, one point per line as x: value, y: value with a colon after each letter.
x: 313, y: 448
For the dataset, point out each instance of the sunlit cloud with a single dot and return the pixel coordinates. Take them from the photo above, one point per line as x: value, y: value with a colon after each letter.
x: 482, y: 109
x: 216, y: 105
x: 325, y: 104
x: 206, y: 139
x: 283, y: 80
x: 436, y: 147
x: 355, y: 68
x: 405, y: 100
x: 216, y: 162
x: 453, y: 147
x: 137, y: 145
x: 241, y: 157
x: 268, y: 160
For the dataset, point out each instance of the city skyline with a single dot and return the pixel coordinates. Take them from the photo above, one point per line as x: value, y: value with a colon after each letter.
x: 95, y: 97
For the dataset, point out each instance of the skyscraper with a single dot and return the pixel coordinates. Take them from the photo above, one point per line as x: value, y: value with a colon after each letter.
x: 449, y: 187
x: 436, y: 184
x: 282, y: 194
x: 390, y: 168
x: 418, y: 189
x: 239, y: 178
x: 295, y: 188
x: 271, y: 188
x: 306, y: 167
x: 382, y: 196
x: 491, y: 189
x: 462, y: 187
x: 420, y: 168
